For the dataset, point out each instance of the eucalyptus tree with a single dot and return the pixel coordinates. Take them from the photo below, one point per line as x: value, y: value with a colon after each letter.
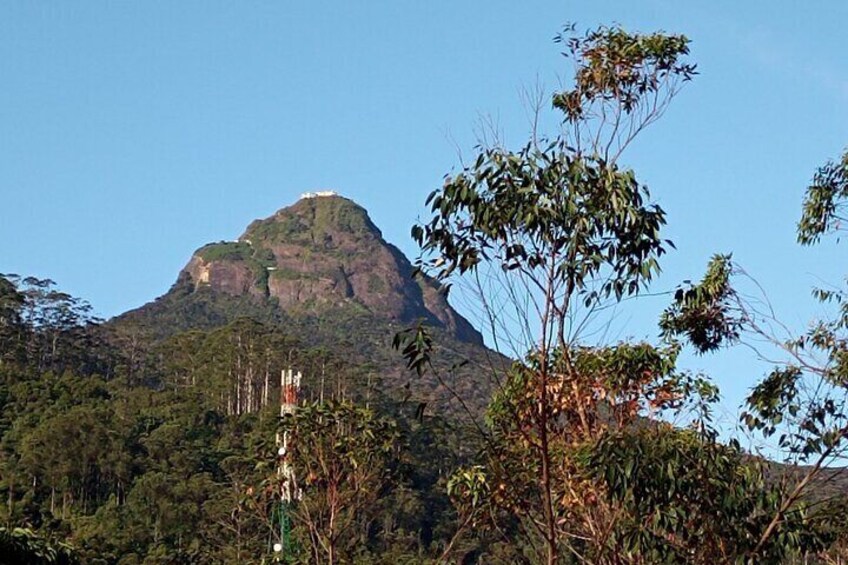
x: 803, y: 400
x: 11, y: 325
x: 825, y: 202
x: 558, y: 226
x: 549, y: 235
x: 45, y: 328
x: 546, y: 240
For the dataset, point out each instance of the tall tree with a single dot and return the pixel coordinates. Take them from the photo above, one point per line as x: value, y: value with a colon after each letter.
x: 547, y: 235
x: 802, y: 401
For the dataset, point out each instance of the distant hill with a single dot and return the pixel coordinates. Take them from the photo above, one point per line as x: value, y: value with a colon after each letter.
x: 320, y: 269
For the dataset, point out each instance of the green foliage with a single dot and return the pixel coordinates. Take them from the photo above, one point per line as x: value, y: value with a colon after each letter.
x: 257, y: 258
x: 163, y: 467
x: 560, y: 212
x: 336, y: 213
x: 11, y: 302
x: 21, y: 546
x: 362, y: 499
x: 469, y: 484
x: 593, y: 392
x: 226, y: 251
x: 561, y: 226
x: 50, y: 328
x: 286, y: 228
x: 596, y: 387
x: 353, y: 436
x: 802, y: 399
x: 573, y: 465
x: 546, y: 208
x: 809, y: 426
x: 416, y: 346
x: 185, y: 309
x: 704, y: 312
x: 347, y: 460
x: 686, y: 499
x: 824, y: 202
x: 12, y: 329
x: 624, y: 68
x: 773, y: 398
x: 312, y: 221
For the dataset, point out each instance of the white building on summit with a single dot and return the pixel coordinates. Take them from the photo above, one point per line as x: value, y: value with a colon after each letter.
x: 319, y: 194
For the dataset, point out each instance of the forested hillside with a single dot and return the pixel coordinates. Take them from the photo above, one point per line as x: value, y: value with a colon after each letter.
x: 161, y: 451
x: 151, y: 437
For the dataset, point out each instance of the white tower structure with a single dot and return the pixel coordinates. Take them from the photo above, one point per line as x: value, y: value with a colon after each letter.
x: 289, y: 389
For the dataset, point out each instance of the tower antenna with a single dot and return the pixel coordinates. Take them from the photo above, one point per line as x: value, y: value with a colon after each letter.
x: 289, y: 491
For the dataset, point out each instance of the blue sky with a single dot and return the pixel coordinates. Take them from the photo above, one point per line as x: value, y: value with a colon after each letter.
x: 133, y: 133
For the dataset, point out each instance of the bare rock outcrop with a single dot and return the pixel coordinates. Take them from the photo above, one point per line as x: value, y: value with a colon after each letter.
x: 321, y: 253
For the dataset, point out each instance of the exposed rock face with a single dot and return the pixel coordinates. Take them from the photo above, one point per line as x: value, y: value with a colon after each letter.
x: 324, y: 252
x: 231, y: 277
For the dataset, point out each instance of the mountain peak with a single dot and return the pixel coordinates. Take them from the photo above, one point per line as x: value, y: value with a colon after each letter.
x: 321, y: 254
x: 315, y: 217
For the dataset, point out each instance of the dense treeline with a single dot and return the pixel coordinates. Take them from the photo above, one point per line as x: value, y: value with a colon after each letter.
x: 140, y: 451
x: 163, y: 452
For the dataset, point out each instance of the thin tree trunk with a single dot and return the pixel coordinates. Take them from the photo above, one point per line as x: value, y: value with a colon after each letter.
x: 265, y: 390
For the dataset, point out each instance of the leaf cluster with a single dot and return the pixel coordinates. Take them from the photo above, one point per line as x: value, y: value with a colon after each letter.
x: 824, y: 202
x: 545, y: 210
x: 687, y: 499
x: 703, y: 312
x: 615, y: 65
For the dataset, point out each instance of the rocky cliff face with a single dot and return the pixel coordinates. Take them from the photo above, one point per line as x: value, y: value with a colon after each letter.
x: 319, y: 254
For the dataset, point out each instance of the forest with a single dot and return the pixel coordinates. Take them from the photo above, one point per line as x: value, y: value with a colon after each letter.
x: 155, y: 437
